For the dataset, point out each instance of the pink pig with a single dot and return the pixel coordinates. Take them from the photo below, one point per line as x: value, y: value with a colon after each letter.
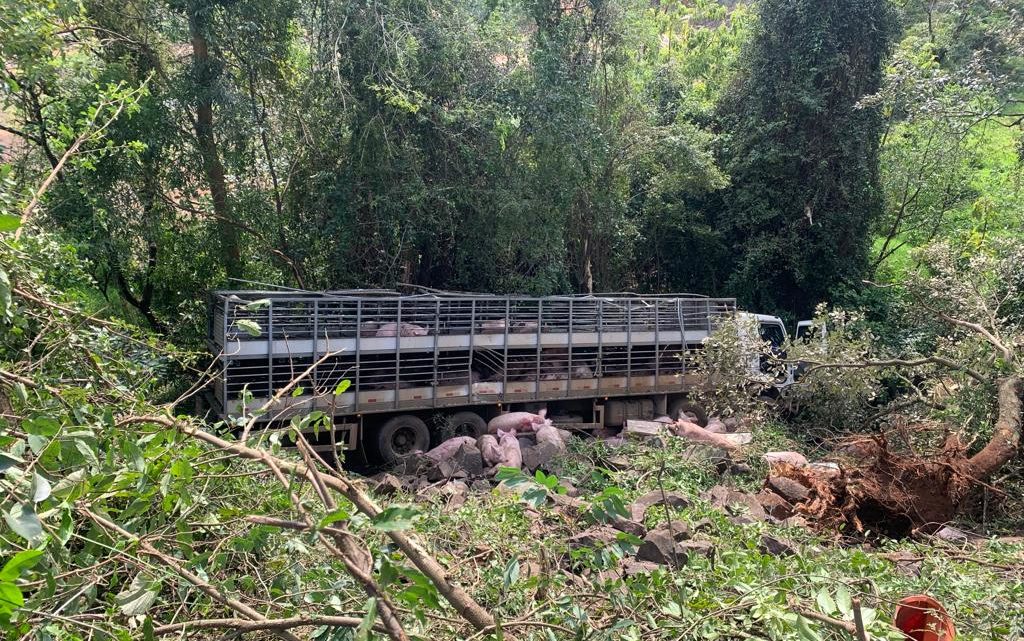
x: 522, y: 421
x: 446, y: 450
x: 511, y: 453
x: 408, y: 329
x: 489, y: 449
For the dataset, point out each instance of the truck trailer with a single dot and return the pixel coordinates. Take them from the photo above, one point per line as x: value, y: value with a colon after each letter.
x: 394, y: 373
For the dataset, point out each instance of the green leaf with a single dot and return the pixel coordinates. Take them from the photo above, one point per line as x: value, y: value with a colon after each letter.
x: 9, y: 222
x: 256, y: 305
x: 298, y: 391
x: 511, y: 573
x: 7, y: 461
x: 342, y: 387
x: 10, y: 597
x: 40, y: 488
x: 395, y: 517
x: 139, y: 596
x: 23, y: 520
x: 18, y: 563
x: 250, y: 327
x: 341, y: 514
x: 5, y: 295
x: 363, y: 631
x: 825, y: 602
x: 843, y: 599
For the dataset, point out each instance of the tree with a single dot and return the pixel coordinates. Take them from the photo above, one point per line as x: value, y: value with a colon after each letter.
x: 802, y: 152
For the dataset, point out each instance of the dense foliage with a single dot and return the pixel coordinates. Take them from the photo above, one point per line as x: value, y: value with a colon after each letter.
x: 864, y: 154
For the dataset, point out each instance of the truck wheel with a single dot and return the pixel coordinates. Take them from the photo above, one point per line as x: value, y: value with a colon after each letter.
x: 400, y: 436
x: 681, y: 405
x: 466, y: 424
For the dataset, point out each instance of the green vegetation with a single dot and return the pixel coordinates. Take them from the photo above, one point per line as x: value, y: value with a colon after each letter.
x: 862, y: 159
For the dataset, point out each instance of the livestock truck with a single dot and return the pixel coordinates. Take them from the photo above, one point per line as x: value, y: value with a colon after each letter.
x: 390, y: 373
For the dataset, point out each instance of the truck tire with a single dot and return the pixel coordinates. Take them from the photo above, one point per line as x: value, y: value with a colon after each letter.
x: 466, y: 424
x: 686, y: 405
x: 400, y: 436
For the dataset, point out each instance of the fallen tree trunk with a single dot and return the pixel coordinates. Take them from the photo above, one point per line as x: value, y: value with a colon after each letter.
x: 1005, y: 442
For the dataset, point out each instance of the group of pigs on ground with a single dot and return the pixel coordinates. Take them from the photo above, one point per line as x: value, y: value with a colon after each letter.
x: 502, y: 445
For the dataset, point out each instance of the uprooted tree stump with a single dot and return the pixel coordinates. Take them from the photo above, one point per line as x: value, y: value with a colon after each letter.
x: 894, y: 494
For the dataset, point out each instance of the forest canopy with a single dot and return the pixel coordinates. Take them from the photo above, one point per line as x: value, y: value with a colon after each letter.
x: 781, y: 152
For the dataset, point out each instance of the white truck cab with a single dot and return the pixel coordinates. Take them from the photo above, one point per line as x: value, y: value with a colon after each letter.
x: 772, y: 330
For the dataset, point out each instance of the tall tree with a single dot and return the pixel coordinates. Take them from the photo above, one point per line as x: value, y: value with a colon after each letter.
x: 803, y: 151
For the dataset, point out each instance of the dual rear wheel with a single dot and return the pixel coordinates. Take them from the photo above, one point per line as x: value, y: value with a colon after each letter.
x: 404, y: 434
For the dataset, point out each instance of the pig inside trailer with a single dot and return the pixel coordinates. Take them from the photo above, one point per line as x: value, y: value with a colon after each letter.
x: 424, y: 367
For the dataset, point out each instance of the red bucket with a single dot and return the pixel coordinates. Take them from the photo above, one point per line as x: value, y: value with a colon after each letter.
x: 922, y: 618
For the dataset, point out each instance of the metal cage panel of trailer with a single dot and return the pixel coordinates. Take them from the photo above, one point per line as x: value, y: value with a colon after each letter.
x: 437, y: 350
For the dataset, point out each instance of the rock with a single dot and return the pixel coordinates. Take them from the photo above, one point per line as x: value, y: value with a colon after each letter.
x: 526, y: 442
x: 907, y: 563
x: 716, y: 426
x: 617, y: 463
x: 776, y: 506
x: 457, y: 492
x: 732, y: 424
x: 539, y: 455
x: 643, y: 429
x: 570, y: 489
x: 793, y: 458
x: 469, y: 458
x: 638, y: 509
x: 386, y: 484
x: 671, y: 547
x: 594, y: 537
x: 703, y: 525
x: 633, y: 567
x: 776, y: 546
x: 735, y: 502
x: 826, y: 469
x: 659, y: 546
x: 629, y: 527
x: 787, y: 488
x: 738, y: 438
x: 956, y: 535
x: 741, y: 519
x: 794, y: 521
x: 481, y: 486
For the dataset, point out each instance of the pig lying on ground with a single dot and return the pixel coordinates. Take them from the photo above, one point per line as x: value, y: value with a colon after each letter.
x: 511, y: 453
x: 522, y: 421
x: 446, y: 450
x: 489, y: 449
x: 408, y: 329
x: 696, y: 433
